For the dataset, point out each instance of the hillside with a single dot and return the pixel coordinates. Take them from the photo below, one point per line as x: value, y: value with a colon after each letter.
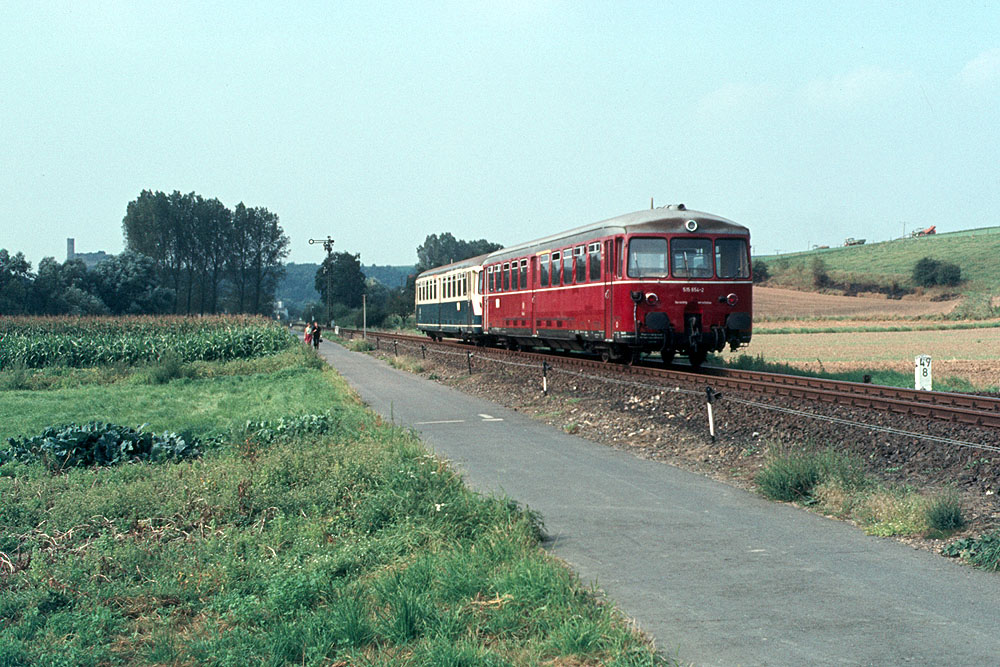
x: 891, y: 262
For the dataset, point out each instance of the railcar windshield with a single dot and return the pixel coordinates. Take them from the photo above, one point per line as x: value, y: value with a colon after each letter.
x: 731, y: 258
x: 691, y: 258
x: 647, y: 257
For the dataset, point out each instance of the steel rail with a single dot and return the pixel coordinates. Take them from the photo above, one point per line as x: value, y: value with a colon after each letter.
x: 968, y: 409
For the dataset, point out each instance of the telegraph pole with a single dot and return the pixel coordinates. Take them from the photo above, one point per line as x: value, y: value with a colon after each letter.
x: 328, y: 246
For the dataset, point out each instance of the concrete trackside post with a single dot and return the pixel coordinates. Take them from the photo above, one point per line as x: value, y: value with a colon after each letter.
x: 711, y: 396
x: 922, y: 373
x: 469, y: 359
x: 545, y: 378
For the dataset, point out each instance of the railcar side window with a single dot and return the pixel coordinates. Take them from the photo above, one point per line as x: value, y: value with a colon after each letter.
x: 731, y: 258
x: 647, y: 257
x: 691, y: 258
x: 489, y: 279
x: 524, y: 274
x: 506, y: 278
x: 543, y: 270
x: 513, y: 275
x: 567, y: 267
x: 580, y: 258
x: 556, y: 274
x: 594, y: 252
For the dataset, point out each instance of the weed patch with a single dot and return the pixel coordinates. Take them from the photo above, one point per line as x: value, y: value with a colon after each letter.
x: 982, y: 551
x: 789, y: 476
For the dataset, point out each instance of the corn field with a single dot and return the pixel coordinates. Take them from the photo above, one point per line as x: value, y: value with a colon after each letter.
x: 81, y: 342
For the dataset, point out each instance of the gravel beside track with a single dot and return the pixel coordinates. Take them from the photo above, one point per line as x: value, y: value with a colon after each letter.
x: 669, y: 423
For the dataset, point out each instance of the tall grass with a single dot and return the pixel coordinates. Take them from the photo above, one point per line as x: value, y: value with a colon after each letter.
x: 836, y: 483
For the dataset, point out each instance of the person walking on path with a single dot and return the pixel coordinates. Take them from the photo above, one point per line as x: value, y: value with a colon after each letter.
x: 316, y: 338
x: 308, y: 333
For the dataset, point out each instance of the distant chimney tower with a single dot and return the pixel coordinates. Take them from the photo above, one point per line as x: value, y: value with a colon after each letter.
x: 70, y: 249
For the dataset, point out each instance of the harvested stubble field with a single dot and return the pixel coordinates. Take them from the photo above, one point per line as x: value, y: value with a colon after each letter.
x: 773, y: 303
x: 970, y: 354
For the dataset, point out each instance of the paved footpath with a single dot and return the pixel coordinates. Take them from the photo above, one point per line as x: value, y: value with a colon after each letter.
x: 716, y: 575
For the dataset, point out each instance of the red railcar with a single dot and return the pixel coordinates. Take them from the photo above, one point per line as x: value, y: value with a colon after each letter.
x: 666, y: 280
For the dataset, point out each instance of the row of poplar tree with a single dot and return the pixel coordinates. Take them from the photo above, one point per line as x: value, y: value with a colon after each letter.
x: 184, y: 254
x: 213, y: 259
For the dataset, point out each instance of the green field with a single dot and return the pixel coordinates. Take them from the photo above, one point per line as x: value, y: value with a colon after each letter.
x: 974, y: 251
x: 314, y: 535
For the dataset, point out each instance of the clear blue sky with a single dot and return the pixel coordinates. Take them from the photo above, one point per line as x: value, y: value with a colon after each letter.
x: 381, y: 123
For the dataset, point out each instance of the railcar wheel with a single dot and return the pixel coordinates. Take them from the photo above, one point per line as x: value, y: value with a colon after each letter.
x: 605, y: 355
x: 626, y: 355
x: 696, y: 357
x: 667, y: 357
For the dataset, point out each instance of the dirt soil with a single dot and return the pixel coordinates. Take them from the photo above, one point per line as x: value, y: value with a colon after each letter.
x: 670, y: 424
x: 774, y: 303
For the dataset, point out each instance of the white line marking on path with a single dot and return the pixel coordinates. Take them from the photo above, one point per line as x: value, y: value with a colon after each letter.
x: 490, y: 418
x: 443, y: 421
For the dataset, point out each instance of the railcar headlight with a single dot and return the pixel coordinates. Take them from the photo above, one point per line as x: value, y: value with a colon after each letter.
x: 732, y: 299
x: 652, y: 299
x: 691, y: 225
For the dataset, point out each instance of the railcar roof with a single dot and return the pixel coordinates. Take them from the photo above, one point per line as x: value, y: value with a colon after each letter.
x: 666, y: 219
x: 463, y: 264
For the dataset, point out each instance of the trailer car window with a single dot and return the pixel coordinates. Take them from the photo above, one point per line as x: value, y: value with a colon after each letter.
x: 731, y: 258
x: 691, y: 258
x: 594, y: 252
x: 647, y: 257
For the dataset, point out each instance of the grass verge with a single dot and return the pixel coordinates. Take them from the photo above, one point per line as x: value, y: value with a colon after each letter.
x: 293, y: 540
x: 835, y: 483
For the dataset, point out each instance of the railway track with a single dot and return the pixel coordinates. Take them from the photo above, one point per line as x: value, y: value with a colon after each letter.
x: 965, y: 409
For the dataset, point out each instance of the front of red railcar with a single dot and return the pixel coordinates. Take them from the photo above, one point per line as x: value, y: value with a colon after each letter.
x: 686, y: 287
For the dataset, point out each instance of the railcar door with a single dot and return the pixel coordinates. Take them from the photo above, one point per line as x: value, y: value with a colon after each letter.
x: 609, y: 311
x: 532, y: 273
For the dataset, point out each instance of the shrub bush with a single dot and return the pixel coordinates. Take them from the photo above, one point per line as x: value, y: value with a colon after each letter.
x: 929, y: 272
x: 944, y: 513
x: 760, y: 271
x: 820, y: 277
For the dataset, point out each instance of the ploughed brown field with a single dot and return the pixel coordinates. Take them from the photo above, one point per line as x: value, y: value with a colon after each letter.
x: 973, y: 354
x: 772, y: 303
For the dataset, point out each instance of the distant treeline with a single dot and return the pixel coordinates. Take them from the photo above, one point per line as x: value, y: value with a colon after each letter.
x: 184, y: 254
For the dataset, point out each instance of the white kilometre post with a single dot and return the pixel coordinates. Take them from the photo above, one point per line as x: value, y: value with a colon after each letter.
x: 922, y: 373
